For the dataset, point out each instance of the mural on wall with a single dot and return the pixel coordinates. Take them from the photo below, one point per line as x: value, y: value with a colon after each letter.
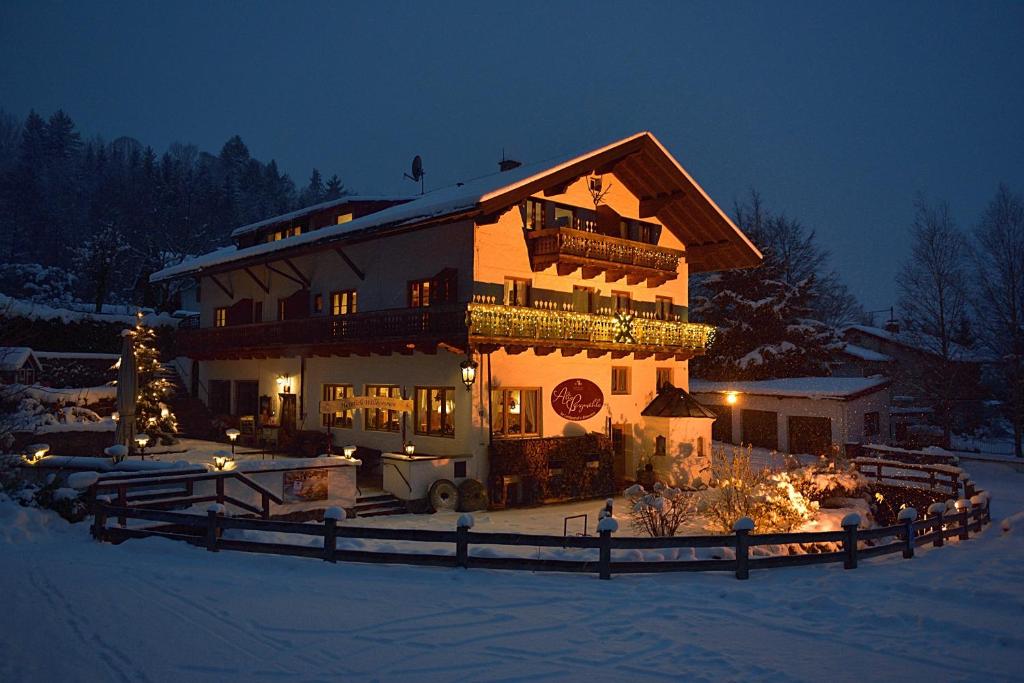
x: 577, y: 399
x: 304, y: 485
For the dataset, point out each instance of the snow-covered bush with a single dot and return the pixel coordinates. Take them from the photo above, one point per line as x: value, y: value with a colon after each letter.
x: 37, y: 283
x: 65, y: 501
x: 659, y: 512
x: 740, y: 490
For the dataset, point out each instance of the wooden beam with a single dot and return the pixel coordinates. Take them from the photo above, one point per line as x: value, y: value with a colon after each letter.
x: 264, y: 287
x: 224, y: 289
x: 590, y: 272
x: 298, y: 273
x: 355, y: 269
x: 570, y: 352
x: 650, y: 206
x: 635, y: 278
x: 619, y: 354
x: 567, y: 268
x: 640, y: 355
x: 657, y: 281
x: 663, y: 356
x: 596, y: 353
x: 514, y: 349
x: 543, y: 350
x: 613, y: 275
x: 560, y: 188
x: 451, y: 348
x: 287, y: 276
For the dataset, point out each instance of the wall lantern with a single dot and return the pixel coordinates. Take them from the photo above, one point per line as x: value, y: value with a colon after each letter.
x: 468, y: 372
x: 284, y: 383
x: 115, y: 416
x: 409, y: 448
x: 731, y: 397
x: 233, y: 435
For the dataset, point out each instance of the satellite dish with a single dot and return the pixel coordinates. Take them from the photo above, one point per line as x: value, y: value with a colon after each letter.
x: 417, y: 171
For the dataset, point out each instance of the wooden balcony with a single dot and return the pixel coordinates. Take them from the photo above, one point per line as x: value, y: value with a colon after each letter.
x: 518, y: 328
x: 486, y: 327
x: 570, y: 249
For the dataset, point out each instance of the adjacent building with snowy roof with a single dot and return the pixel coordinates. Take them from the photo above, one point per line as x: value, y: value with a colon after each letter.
x: 18, y: 365
x: 531, y: 307
x: 798, y: 414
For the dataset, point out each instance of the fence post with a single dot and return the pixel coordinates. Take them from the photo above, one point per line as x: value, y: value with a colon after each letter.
x: 212, y: 532
x: 605, y: 528
x: 332, y: 516
x: 220, y: 490
x: 99, y: 522
x: 850, y: 524
x: 938, y: 510
x: 743, y: 527
x: 963, y: 507
x: 979, y: 502
x: 908, y: 516
x: 122, y: 501
x: 462, y: 528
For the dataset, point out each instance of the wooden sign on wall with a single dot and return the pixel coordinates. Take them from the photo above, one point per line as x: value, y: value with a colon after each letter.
x: 339, y: 405
x: 577, y: 399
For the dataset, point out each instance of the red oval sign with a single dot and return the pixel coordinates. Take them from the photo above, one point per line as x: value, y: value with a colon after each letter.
x: 577, y: 399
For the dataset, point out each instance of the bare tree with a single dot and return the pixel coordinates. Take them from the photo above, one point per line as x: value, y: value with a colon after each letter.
x: 933, y: 296
x: 999, y: 300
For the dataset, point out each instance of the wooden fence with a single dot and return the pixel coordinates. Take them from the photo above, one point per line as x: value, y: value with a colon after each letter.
x: 939, y: 478
x: 856, y: 544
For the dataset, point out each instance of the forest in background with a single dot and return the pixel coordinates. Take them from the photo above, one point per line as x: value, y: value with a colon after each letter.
x: 87, y: 219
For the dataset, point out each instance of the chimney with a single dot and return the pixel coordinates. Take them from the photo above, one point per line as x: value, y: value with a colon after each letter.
x: 508, y: 164
x: 892, y: 327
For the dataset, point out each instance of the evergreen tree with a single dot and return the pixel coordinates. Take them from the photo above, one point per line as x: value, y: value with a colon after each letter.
x: 314, y: 192
x: 152, y: 415
x: 765, y: 318
x: 334, y: 190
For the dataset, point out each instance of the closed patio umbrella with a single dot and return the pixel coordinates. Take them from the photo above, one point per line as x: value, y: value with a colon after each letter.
x: 127, y: 387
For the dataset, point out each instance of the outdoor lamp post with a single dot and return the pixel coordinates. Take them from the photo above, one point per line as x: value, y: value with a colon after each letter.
x: 221, y: 459
x: 141, y: 440
x: 468, y: 372
x: 409, y: 448
x: 233, y: 435
x: 349, y: 451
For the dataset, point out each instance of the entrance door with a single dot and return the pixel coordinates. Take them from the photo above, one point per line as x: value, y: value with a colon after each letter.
x: 622, y: 450
x: 289, y: 412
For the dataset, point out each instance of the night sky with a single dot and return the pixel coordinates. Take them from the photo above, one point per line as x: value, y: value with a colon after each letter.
x: 838, y: 114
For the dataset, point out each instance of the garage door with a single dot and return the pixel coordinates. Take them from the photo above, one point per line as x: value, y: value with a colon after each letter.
x: 761, y: 428
x: 721, y: 429
x: 812, y: 435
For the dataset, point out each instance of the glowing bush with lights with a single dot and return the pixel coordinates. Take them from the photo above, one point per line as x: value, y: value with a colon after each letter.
x: 659, y: 512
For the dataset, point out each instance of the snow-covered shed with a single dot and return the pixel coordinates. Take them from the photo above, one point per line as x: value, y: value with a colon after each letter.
x: 18, y: 365
x: 682, y: 450
x: 798, y: 414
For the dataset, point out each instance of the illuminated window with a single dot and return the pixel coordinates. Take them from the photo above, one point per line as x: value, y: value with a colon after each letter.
x: 379, y: 419
x: 515, y: 412
x: 620, y: 380
x: 220, y: 317
x: 533, y: 214
x: 341, y: 419
x: 419, y: 293
x: 344, y: 218
x: 563, y: 217
x: 343, y: 302
x: 664, y: 376
x: 434, y: 408
x: 517, y: 292
x: 663, y: 307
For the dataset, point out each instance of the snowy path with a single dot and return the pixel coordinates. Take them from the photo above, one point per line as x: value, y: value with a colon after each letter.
x: 151, y: 610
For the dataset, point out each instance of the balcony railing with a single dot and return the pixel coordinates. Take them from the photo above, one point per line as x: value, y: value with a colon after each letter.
x: 532, y: 325
x: 456, y: 324
x: 582, y: 248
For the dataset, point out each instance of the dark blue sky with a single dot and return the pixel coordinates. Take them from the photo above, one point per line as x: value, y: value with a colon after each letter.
x: 838, y: 114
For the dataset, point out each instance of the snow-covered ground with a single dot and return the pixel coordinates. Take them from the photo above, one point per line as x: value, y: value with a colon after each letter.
x: 155, y: 610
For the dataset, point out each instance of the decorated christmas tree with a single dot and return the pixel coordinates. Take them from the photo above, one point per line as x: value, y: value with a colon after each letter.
x: 152, y: 415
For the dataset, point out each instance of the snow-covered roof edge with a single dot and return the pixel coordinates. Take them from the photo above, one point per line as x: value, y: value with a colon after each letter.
x: 916, y: 341
x: 839, y: 388
x: 14, y: 358
x: 313, y: 208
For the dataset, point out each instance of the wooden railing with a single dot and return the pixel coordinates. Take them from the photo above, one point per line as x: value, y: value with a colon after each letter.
x: 854, y: 544
x: 169, y: 491
x: 533, y: 324
x: 937, y: 478
x: 400, y: 325
x: 549, y: 245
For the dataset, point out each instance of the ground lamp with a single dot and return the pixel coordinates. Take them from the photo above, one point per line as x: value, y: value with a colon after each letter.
x: 115, y: 416
x: 141, y: 440
x: 468, y: 372
x: 36, y: 451
x: 221, y: 459
x: 233, y: 435
x: 349, y: 451
x: 409, y: 448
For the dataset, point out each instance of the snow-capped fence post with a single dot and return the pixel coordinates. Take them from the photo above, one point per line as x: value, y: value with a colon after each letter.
x: 743, y: 527
x: 332, y: 516
x: 850, y: 524
x: 938, y: 510
x: 908, y: 516
x: 99, y: 521
x: 963, y: 507
x: 212, y: 532
x: 605, y: 528
x: 462, y: 528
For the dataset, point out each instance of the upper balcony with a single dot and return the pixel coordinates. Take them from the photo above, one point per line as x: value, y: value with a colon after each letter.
x: 456, y: 327
x: 570, y: 249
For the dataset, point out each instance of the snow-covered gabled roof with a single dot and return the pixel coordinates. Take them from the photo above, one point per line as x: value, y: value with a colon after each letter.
x: 918, y: 341
x: 840, y: 388
x: 862, y: 353
x: 712, y: 240
x: 315, y: 208
x: 14, y: 358
x: 675, y: 402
